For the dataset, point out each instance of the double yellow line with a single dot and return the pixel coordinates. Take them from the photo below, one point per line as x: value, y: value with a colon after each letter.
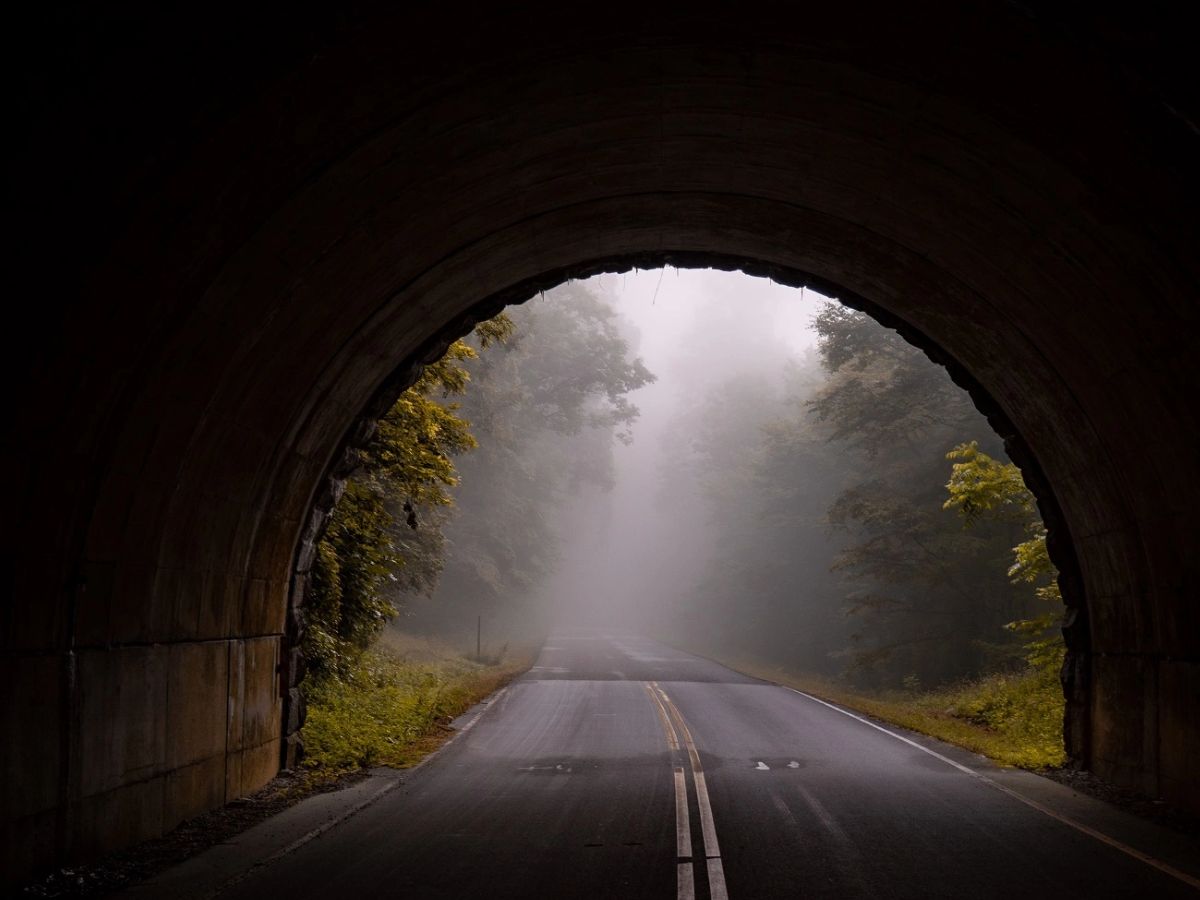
x: 674, y: 727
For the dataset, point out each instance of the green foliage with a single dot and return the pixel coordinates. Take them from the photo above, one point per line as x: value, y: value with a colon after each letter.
x: 546, y: 407
x: 537, y: 397
x: 834, y: 546
x: 391, y: 711
x: 346, y: 608
x: 1025, y: 709
x: 981, y: 486
x: 882, y: 396
x: 927, y: 597
x: 365, y: 553
x: 1012, y: 718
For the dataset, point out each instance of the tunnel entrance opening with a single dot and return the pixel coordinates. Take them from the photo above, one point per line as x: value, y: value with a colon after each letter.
x: 1073, y: 672
x: 250, y: 242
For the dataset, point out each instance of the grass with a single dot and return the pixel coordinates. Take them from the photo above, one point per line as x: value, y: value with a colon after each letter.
x: 1014, y: 719
x: 397, y: 706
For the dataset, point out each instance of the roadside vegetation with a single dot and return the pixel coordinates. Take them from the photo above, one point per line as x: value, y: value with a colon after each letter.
x: 875, y: 547
x: 475, y: 456
x: 866, y: 537
x: 395, y: 706
x: 1012, y: 718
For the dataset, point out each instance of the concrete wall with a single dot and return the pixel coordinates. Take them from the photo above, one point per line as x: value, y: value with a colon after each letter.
x: 235, y: 230
x: 144, y: 738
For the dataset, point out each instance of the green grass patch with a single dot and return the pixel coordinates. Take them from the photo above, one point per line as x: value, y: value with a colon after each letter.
x: 1015, y: 719
x: 397, y: 705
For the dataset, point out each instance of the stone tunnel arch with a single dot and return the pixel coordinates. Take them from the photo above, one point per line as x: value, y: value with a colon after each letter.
x: 255, y: 239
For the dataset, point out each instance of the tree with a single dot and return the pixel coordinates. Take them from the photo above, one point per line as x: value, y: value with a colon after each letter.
x: 546, y: 408
x: 373, y: 542
x: 982, y: 487
x: 927, y: 595
x: 833, y: 543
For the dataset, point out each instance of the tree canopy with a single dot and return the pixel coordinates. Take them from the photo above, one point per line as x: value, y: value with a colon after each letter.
x: 837, y: 544
x: 477, y: 455
x: 365, y: 553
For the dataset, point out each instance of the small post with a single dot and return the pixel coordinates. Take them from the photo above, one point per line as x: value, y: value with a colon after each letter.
x: 478, y: 634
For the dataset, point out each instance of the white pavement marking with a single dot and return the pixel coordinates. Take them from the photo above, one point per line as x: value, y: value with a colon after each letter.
x: 1032, y: 804
x: 762, y: 766
x: 712, y: 850
x: 793, y: 765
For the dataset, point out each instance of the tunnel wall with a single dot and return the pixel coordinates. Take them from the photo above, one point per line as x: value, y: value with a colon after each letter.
x: 237, y: 232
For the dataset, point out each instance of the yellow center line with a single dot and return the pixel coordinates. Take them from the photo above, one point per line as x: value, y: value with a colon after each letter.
x: 712, y: 849
x: 685, y: 877
x: 672, y: 738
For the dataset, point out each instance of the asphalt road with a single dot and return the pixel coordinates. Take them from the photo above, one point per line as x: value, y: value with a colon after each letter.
x: 621, y: 768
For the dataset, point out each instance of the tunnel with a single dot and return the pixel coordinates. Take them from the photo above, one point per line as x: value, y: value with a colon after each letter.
x: 237, y: 235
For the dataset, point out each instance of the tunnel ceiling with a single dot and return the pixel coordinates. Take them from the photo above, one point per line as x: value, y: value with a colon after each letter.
x: 236, y: 232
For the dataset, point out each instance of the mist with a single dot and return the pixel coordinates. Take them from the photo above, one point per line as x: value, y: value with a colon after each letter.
x: 633, y: 555
x: 722, y: 463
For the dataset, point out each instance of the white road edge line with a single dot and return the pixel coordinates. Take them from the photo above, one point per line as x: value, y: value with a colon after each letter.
x: 712, y: 850
x: 1032, y: 804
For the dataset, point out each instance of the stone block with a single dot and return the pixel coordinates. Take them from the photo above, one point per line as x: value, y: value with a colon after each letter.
x: 259, y: 765
x: 175, y: 611
x: 33, y: 618
x: 131, y: 614
x: 94, y: 604
x: 293, y: 751
x: 112, y: 512
x: 1123, y: 721
x: 26, y: 847
x: 191, y: 790
x: 197, y: 702
x: 236, y: 696
x: 262, y: 708
x: 229, y: 597
x: 122, y: 716
x: 31, y: 767
x: 117, y: 818
x: 297, y: 711
x: 143, y: 525
x: 233, y: 775
x: 216, y: 605
x: 257, y: 615
x: 1179, y: 732
x: 277, y: 605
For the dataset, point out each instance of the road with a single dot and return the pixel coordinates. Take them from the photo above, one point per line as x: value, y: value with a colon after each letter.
x: 621, y: 768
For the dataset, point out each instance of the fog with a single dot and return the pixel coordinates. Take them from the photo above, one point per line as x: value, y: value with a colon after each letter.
x: 718, y: 461
x: 633, y: 554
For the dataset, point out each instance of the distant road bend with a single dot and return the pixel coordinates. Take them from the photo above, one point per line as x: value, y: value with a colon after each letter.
x: 621, y: 768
